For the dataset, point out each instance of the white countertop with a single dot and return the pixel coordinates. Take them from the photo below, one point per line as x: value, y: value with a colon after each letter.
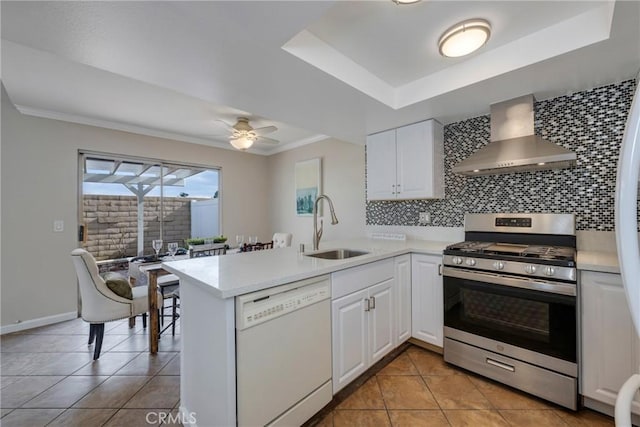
x: 606, y: 262
x: 236, y: 274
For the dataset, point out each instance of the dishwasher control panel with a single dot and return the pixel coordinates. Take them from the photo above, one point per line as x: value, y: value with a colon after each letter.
x: 259, y: 307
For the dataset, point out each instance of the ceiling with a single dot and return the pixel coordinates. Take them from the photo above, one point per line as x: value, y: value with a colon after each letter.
x: 311, y: 68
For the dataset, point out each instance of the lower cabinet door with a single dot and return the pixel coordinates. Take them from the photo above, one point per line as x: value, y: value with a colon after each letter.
x: 349, y: 337
x: 426, y: 291
x: 381, y: 319
x: 610, y: 347
x: 403, y: 298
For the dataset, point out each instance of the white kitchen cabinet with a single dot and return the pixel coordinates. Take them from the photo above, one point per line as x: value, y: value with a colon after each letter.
x: 381, y: 312
x: 427, y: 321
x: 350, y: 338
x: 406, y: 163
x: 403, y: 298
x: 363, y: 320
x: 610, y: 346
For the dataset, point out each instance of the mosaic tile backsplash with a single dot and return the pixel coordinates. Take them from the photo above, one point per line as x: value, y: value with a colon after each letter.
x: 591, y: 123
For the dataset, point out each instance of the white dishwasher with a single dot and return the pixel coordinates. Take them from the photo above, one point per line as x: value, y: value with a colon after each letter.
x: 283, y: 353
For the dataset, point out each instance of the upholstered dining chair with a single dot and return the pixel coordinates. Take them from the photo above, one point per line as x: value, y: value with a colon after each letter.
x: 101, y: 304
x: 282, y: 240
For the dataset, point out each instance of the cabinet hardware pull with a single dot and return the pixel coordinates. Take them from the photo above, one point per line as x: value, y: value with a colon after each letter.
x: 373, y: 302
x: 439, y: 269
x: 368, y: 304
x: 501, y: 365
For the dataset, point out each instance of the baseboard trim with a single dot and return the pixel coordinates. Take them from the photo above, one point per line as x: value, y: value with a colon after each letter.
x: 426, y: 345
x: 35, y: 323
x: 606, y: 409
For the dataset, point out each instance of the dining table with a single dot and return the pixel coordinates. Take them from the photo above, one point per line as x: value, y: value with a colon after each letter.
x: 139, y: 272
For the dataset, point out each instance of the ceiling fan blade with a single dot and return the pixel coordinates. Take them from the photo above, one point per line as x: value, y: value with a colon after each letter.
x: 228, y: 126
x: 266, y: 140
x: 265, y: 130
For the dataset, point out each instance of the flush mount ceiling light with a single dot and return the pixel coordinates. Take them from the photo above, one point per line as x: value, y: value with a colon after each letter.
x: 405, y: 1
x: 464, y: 38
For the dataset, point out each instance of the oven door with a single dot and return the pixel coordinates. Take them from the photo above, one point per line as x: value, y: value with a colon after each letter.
x: 513, y: 310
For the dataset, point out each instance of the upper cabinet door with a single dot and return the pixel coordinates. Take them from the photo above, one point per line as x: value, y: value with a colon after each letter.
x: 381, y: 165
x: 419, y: 161
x: 406, y: 163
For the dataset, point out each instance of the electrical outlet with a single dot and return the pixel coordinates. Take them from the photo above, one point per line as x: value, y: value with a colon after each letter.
x: 424, y: 218
x: 58, y: 226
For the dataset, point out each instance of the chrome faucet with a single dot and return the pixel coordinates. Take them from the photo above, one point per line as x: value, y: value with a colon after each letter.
x: 317, y: 234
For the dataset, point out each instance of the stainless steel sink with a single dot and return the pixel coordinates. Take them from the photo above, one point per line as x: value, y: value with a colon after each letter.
x: 337, y: 254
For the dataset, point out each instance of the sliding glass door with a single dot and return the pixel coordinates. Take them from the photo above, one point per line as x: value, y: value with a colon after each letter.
x: 125, y: 203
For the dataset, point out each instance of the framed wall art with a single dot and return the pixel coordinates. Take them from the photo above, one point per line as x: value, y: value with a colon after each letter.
x: 308, y: 185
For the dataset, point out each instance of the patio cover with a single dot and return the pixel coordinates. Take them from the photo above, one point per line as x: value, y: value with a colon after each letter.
x: 139, y: 178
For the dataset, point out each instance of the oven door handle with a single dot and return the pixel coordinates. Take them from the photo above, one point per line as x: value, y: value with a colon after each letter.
x: 514, y: 282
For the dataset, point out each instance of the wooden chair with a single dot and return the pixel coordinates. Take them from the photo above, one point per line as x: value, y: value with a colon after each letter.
x: 257, y: 246
x: 194, y: 252
x: 166, y: 285
x: 207, y: 250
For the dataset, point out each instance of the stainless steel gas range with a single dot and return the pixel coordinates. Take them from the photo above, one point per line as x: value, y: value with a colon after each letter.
x: 510, y: 309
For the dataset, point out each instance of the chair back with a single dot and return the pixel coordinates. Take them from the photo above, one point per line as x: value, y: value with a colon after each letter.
x: 99, y: 303
x: 207, y: 250
x: 282, y: 240
x: 257, y: 246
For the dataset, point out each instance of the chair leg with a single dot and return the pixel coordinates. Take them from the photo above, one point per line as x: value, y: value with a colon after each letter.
x: 132, y: 321
x: 99, y: 332
x: 174, y: 316
x: 144, y: 320
x: 159, y: 327
x: 92, y: 332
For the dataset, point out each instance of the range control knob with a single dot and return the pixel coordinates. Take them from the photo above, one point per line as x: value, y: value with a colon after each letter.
x: 549, y: 271
x: 530, y: 268
x: 456, y: 260
x: 470, y: 262
x: 498, y: 265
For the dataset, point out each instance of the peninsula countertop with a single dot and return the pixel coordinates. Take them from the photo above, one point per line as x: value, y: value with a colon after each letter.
x: 236, y: 274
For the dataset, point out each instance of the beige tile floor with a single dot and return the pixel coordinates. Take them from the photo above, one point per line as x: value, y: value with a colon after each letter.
x: 49, y: 378
x: 419, y: 389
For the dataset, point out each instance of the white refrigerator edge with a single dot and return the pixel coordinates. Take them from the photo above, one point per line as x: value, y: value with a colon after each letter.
x: 626, y: 226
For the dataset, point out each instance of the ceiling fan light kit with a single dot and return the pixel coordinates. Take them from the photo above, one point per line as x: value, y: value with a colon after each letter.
x: 243, y: 135
x: 242, y: 143
x: 464, y: 38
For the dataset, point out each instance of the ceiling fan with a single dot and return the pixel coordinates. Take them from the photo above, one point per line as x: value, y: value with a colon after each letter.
x: 243, y: 135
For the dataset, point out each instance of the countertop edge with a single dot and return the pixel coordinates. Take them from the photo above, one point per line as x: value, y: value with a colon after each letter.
x: 604, y: 262
x: 417, y: 248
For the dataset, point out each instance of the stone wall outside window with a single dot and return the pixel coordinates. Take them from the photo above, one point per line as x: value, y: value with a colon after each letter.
x: 112, y: 224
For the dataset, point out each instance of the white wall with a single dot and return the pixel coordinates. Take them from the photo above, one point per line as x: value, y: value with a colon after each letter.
x: 40, y: 185
x: 342, y: 180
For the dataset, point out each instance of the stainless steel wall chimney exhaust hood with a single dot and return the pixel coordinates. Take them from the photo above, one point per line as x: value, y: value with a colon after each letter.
x: 513, y: 146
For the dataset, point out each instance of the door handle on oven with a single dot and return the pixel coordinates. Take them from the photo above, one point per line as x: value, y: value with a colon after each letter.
x: 500, y: 365
x: 515, y: 282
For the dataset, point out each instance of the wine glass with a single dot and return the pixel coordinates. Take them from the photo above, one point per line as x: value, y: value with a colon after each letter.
x: 173, y: 248
x: 157, y: 245
x: 239, y: 240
